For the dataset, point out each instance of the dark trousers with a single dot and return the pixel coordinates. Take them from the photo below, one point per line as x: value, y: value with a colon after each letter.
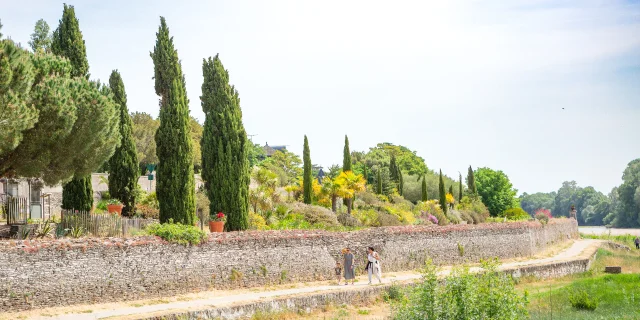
x: 637, y: 245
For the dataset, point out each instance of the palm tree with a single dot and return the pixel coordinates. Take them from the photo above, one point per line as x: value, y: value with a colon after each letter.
x: 351, y: 183
x: 333, y: 189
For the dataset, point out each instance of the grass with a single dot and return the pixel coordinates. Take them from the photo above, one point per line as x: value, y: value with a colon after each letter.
x: 626, y: 239
x: 617, y: 296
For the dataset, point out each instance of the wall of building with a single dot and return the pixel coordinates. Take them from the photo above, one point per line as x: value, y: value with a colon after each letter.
x: 35, y: 272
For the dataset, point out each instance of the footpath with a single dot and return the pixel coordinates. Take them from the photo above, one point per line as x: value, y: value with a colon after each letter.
x: 226, y: 303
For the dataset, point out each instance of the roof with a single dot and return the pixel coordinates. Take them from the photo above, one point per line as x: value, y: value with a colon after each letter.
x: 270, y: 150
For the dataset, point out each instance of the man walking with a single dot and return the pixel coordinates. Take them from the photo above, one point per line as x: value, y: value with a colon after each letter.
x: 637, y: 241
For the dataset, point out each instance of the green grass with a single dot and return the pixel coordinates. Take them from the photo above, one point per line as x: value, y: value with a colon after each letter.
x: 626, y: 239
x: 618, y: 297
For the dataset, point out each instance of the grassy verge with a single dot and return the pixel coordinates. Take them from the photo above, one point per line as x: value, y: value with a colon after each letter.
x: 626, y: 239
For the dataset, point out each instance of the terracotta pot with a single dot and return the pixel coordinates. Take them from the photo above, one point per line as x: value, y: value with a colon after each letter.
x: 216, y: 226
x: 115, y: 208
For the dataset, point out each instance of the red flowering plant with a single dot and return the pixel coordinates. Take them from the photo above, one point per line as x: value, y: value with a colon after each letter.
x: 544, y: 211
x: 219, y: 217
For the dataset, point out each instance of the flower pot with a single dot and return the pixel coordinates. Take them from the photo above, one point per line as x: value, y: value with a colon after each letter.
x: 216, y: 226
x: 115, y: 208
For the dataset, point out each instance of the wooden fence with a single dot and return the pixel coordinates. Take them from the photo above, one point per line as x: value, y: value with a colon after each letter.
x: 16, y: 210
x: 101, y: 225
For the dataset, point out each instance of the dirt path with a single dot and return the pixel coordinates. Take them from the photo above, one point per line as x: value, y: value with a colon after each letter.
x: 134, y: 309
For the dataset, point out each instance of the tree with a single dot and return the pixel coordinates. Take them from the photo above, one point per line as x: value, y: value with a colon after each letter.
x: 0, y: 29
x: 175, y: 182
x: 123, y: 165
x: 78, y: 195
x: 460, y: 186
x: 627, y: 213
x: 400, y: 183
x: 379, y: 182
x: 496, y: 190
x: 196, y: 136
x: 144, y: 132
x: 67, y: 42
x: 351, y: 184
x: 346, y: 155
x: 443, y: 194
x: 333, y: 189
x: 306, y: 158
x: 255, y: 154
x: 286, y: 165
x: 451, y: 190
x: 540, y: 200
x: 40, y: 38
x: 393, y: 169
x: 424, y: 189
x: 225, y: 162
x: 471, y: 182
x: 406, y: 160
x: 58, y: 126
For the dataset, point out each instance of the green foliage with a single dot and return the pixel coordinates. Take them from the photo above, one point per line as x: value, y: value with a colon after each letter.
x: 225, y: 164
x: 346, y: 155
x: 77, y: 194
x: 515, y: 214
x: 286, y: 165
x: 379, y: 182
x: 581, y: 300
x: 67, y: 42
x: 424, y: 195
x: 625, y: 200
x: 123, y: 165
x: 174, y: 147
x: 144, y: 131
x: 442, y: 195
x: 394, y: 293
x: 196, y: 134
x: 591, y: 206
x: 471, y: 182
x: 406, y: 160
x: 307, y: 183
x: 177, y: 233
x: 542, y: 218
x: 256, y: 154
x: 40, y: 38
x: 463, y: 295
x: 496, y: 190
x: 540, y: 200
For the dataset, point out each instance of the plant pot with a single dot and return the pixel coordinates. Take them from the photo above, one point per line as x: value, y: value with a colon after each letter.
x: 115, y: 208
x: 216, y: 226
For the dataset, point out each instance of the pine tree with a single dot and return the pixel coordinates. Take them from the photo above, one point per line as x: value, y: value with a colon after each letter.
x: 307, y: 183
x: 225, y: 161
x: 67, y: 42
x: 471, y: 182
x: 424, y: 189
x: 123, y: 165
x: 443, y: 195
x: 175, y: 181
x: 346, y: 157
x: 460, y: 187
x: 40, y: 38
x: 379, y: 182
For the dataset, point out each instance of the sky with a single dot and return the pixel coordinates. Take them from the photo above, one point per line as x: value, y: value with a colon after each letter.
x: 546, y: 91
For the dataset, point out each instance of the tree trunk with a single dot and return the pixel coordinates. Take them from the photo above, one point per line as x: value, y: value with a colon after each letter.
x: 334, y: 199
x: 349, y: 205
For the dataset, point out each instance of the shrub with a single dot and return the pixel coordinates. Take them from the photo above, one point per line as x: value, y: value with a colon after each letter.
x: 293, y: 221
x: 348, y: 220
x: 466, y: 216
x: 542, y: 218
x: 147, y: 212
x: 102, y: 205
x: 452, y: 218
x: 394, y: 292
x: 150, y: 200
x: 177, y: 233
x: 442, y: 219
x: 581, y: 300
x: 369, y: 199
x: 473, y: 204
x: 315, y: 214
x: 432, y: 219
x: 546, y: 212
x: 515, y: 214
x: 368, y: 217
x: 385, y: 220
x: 257, y: 222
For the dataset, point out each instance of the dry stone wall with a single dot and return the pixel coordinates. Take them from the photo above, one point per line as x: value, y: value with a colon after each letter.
x: 42, y: 273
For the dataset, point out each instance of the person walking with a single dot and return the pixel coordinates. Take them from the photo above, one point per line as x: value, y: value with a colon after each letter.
x: 349, y: 273
x: 338, y: 270
x: 373, y: 264
x: 637, y: 241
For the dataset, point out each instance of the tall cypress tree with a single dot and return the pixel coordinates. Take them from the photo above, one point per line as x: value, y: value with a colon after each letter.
x: 346, y: 156
x: 67, y: 42
x: 365, y: 174
x: 400, y: 183
x: 393, y: 169
x: 471, y: 182
x: 175, y: 187
x: 460, y: 187
x: 443, y: 195
x: 225, y: 161
x: 306, y: 178
x: 424, y: 189
x: 123, y: 165
x: 451, y: 189
x: 379, y: 182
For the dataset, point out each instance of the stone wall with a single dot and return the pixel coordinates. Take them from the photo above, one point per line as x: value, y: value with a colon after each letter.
x: 35, y: 272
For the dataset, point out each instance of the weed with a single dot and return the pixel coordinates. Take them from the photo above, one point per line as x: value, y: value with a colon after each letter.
x: 235, y: 275
x: 580, y: 299
x: 460, y: 250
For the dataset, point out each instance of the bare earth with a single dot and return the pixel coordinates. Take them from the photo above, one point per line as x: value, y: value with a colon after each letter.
x: 203, y: 300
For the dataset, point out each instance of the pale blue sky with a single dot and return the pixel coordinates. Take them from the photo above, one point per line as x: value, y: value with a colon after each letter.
x: 462, y: 82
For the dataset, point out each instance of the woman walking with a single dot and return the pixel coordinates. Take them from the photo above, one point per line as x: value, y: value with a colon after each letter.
x: 349, y: 273
x: 373, y: 265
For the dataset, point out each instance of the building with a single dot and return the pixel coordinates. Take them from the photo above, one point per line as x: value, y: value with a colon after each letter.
x: 270, y: 150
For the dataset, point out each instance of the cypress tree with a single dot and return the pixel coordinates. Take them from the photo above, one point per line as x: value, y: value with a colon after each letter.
x: 225, y: 161
x: 471, y: 182
x: 67, y: 42
x: 400, y: 183
x: 379, y: 182
x: 424, y: 188
x: 451, y: 189
x: 443, y: 195
x: 365, y: 174
x: 460, y: 187
x: 175, y: 187
x: 123, y: 165
x: 306, y: 178
x: 346, y: 157
x: 393, y: 169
